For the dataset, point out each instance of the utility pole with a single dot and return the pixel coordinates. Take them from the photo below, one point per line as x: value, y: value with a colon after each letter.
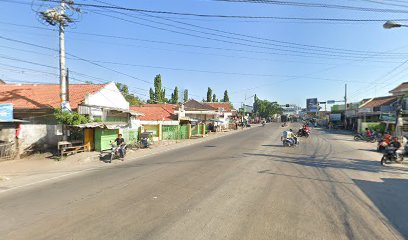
x: 398, y: 121
x: 63, y: 74
x: 57, y: 16
x: 345, y: 106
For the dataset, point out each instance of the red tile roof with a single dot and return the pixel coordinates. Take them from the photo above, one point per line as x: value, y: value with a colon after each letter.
x: 403, y: 87
x: 380, y: 101
x: 40, y: 96
x: 218, y: 105
x: 155, y: 113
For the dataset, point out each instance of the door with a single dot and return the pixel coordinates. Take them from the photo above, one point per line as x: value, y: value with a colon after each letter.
x: 89, y: 139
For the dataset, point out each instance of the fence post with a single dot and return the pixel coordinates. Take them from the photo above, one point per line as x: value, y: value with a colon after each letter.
x: 160, y: 132
x: 203, y: 129
x: 189, y: 131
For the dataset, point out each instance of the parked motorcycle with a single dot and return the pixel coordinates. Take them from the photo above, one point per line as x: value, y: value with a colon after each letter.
x: 391, y: 156
x: 361, y: 137
x: 115, y: 153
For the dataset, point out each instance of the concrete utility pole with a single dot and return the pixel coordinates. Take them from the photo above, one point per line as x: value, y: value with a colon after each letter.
x: 57, y: 16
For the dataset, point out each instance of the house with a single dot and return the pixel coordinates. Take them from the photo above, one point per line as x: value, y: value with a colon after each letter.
x: 159, y: 119
x: 197, y: 112
x: 400, y: 90
x: 372, y: 112
x: 225, y: 112
x: 36, y: 103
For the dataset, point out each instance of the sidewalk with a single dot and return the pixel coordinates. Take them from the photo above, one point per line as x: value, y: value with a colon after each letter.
x: 42, y: 167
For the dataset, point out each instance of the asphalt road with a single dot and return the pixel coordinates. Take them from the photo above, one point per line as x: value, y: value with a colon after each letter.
x: 241, y: 186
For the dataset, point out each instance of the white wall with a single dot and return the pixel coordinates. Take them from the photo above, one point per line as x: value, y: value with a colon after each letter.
x: 42, y: 135
x: 109, y: 96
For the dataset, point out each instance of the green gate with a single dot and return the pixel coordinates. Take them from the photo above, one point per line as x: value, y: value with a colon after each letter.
x: 103, y: 138
x: 170, y: 132
x: 183, y: 132
x: 130, y: 135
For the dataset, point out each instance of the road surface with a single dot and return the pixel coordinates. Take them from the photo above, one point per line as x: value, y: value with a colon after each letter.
x: 241, y: 186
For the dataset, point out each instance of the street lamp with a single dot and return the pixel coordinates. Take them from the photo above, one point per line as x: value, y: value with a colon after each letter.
x: 392, y: 24
x: 398, y: 118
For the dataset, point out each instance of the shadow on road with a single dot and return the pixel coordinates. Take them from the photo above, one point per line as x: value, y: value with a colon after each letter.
x: 323, y: 162
x: 391, y: 198
x: 271, y: 145
x: 301, y: 177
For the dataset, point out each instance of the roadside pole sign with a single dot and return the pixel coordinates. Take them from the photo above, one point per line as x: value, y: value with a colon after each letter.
x: 330, y: 101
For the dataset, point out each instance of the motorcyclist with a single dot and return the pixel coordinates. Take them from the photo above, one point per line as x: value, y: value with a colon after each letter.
x: 292, y: 137
x: 396, y: 144
x: 368, y: 132
x: 120, y: 144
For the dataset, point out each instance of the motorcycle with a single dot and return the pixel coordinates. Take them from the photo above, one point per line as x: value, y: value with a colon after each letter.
x: 284, y: 124
x: 391, y: 156
x: 381, y: 146
x: 303, y: 133
x: 362, y: 137
x: 263, y: 124
x: 289, y: 142
x: 115, y: 153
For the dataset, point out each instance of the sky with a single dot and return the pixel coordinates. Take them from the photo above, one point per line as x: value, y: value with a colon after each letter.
x: 286, y: 61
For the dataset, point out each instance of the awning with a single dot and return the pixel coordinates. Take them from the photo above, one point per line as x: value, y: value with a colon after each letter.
x: 215, y: 120
x: 15, y: 121
x: 107, y: 125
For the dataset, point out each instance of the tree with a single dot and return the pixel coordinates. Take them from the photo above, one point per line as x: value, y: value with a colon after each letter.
x: 185, y: 95
x: 131, y: 98
x: 151, y: 94
x: 265, y: 108
x: 214, y: 98
x: 174, y: 96
x: 226, y: 97
x: 256, y: 104
x: 71, y: 119
x: 159, y: 92
x: 209, y: 94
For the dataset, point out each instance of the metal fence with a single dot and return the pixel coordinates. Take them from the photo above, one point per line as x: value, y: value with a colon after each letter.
x: 175, y: 132
x: 7, y: 151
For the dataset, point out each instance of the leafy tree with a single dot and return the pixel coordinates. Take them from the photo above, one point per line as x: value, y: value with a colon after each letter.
x: 185, y: 95
x: 159, y: 92
x: 174, y: 96
x: 131, y: 98
x: 226, y: 97
x: 209, y: 94
x: 151, y: 95
x: 265, y: 108
x: 256, y: 104
x: 214, y: 98
x: 69, y: 118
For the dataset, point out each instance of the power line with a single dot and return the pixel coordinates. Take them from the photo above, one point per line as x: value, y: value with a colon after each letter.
x: 271, y: 42
x: 318, y: 5
x: 200, y: 46
x: 283, y: 51
x: 81, y: 59
x: 288, y: 3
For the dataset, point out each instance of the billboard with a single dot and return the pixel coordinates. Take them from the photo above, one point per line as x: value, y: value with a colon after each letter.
x: 335, y: 117
x: 312, y: 105
x: 6, y: 112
